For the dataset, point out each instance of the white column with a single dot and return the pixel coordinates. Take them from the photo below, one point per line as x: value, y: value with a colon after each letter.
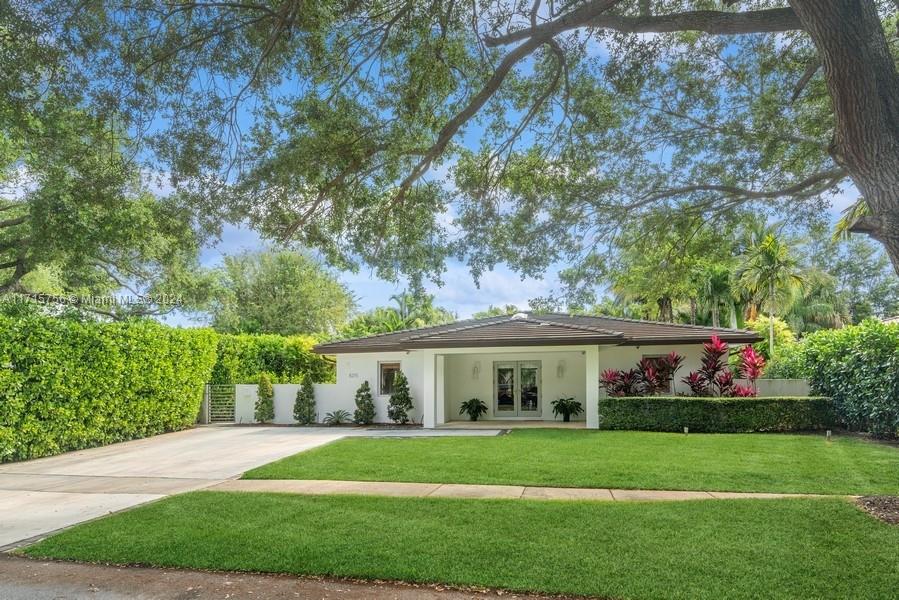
x: 440, y: 395
x: 592, y: 394
x: 429, y: 385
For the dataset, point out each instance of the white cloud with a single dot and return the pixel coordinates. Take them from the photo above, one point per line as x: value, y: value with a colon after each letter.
x: 499, y: 287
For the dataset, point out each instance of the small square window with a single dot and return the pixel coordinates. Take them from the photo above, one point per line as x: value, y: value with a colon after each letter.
x: 387, y: 373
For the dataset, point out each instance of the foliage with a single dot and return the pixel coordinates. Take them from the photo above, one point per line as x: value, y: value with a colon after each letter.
x: 752, y: 365
x: 264, y: 409
x: 496, y: 311
x: 78, y: 219
x: 337, y: 417
x: 283, y: 292
x: 365, y: 406
x: 788, y: 363
x: 650, y: 377
x: 67, y: 384
x: 474, y: 408
x: 304, y: 405
x: 717, y: 415
x: 340, y: 161
x: 412, y: 310
x: 783, y: 335
x: 400, y: 400
x: 857, y: 366
x: 715, y: 377
x: 243, y: 357
x: 567, y: 407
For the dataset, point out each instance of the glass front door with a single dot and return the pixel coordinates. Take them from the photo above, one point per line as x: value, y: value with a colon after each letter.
x: 517, y: 389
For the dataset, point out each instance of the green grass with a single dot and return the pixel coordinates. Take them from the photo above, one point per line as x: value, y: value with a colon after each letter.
x: 616, y: 459
x: 796, y: 548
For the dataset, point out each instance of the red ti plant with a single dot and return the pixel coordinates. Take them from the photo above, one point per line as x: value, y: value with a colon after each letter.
x: 713, y: 378
x: 652, y: 376
x: 752, y: 365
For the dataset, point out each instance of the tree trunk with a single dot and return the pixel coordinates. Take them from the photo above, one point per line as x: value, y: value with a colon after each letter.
x: 692, y: 311
x: 716, y: 321
x: 771, y: 320
x: 864, y: 89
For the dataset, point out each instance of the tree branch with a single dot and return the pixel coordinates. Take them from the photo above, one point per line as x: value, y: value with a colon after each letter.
x: 708, y: 21
x: 14, y: 221
x: 831, y: 176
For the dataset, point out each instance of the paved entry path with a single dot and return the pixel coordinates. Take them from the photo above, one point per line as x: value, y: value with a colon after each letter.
x: 40, y: 496
x: 456, y: 490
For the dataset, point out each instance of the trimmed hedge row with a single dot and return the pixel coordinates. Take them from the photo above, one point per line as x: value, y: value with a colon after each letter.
x: 67, y: 385
x: 242, y: 358
x: 716, y: 415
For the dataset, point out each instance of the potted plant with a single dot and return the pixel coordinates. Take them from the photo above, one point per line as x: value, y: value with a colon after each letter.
x: 567, y: 407
x: 474, y: 408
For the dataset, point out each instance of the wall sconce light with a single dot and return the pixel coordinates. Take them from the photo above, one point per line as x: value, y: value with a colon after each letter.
x: 476, y: 369
x: 560, y: 369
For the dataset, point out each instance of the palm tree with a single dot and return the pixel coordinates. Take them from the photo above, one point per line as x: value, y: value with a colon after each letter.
x: 717, y: 291
x: 771, y: 275
x: 820, y: 306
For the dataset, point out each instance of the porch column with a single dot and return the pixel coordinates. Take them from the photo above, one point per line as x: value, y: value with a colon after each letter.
x: 592, y: 394
x: 440, y: 383
x: 429, y: 385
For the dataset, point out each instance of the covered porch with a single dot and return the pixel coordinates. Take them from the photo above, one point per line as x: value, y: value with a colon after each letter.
x: 517, y: 384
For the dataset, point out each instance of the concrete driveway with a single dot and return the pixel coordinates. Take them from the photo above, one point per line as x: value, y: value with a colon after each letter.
x: 43, y: 495
x: 40, y: 496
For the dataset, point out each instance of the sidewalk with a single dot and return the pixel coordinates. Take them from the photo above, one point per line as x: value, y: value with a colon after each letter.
x: 456, y: 490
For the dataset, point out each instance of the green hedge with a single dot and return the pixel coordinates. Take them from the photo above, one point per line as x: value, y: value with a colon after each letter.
x: 242, y: 358
x: 716, y: 415
x: 66, y: 385
x: 858, y: 367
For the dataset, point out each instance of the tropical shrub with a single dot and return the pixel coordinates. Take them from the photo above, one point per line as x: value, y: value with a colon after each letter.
x: 717, y: 415
x: 567, y: 407
x: 716, y: 378
x: 788, y: 363
x: 858, y: 367
x: 365, y: 406
x: 265, y: 400
x: 400, y: 400
x: 651, y: 376
x: 338, y: 417
x: 304, y: 405
x: 783, y: 335
x: 242, y: 358
x: 474, y: 408
x: 69, y: 384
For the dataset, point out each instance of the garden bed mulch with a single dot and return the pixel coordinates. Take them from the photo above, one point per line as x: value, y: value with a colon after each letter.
x: 885, y: 508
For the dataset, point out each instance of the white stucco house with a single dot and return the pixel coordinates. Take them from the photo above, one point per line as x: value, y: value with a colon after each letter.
x: 516, y: 364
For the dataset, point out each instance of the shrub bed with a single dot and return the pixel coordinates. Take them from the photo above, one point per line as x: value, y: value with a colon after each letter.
x: 859, y: 368
x: 242, y: 358
x: 67, y: 384
x: 716, y: 415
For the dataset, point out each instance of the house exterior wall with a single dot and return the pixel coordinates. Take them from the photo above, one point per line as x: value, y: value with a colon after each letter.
x: 353, y: 369
x: 462, y: 384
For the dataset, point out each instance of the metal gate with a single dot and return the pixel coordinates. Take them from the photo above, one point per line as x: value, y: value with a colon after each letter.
x: 219, y: 403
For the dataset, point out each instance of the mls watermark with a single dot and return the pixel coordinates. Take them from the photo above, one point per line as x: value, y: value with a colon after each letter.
x: 106, y: 301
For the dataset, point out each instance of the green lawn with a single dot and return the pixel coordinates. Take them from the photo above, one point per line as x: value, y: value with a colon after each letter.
x: 616, y: 459
x: 796, y: 548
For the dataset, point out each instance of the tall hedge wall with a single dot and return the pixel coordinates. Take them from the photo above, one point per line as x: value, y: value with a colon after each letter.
x: 66, y: 385
x: 716, y: 415
x: 287, y: 359
x: 859, y: 368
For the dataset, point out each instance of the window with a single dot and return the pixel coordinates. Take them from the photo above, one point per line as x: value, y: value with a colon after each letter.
x: 386, y: 374
x: 654, y: 360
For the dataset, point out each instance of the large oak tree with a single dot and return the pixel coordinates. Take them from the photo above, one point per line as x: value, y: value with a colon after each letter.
x: 326, y: 123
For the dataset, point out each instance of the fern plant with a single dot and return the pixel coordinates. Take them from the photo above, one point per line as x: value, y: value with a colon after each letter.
x: 474, y: 408
x: 338, y: 417
x: 304, y: 405
x: 365, y: 406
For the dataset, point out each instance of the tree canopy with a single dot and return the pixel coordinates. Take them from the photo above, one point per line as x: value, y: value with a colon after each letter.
x: 327, y: 123
x: 283, y: 292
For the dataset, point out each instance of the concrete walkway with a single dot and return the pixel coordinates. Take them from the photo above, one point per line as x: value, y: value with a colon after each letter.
x: 456, y: 490
x: 40, y: 496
